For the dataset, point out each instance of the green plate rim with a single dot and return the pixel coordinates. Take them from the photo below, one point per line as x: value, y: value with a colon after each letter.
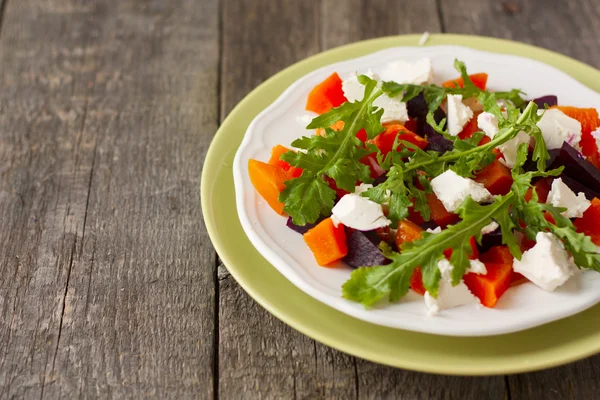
x: 538, y: 348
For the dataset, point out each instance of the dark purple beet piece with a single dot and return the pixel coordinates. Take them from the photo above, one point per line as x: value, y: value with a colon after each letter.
x: 579, y: 187
x: 362, y: 252
x: 531, y: 165
x: 541, y: 102
x: 417, y: 107
x: 301, y: 229
x: 429, y: 225
x: 490, y: 240
x: 577, y: 167
x: 424, y: 129
x: 380, y: 179
x: 373, y: 236
x: 438, y: 143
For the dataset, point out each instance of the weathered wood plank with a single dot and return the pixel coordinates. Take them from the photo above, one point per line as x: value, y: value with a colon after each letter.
x: 44, y: 179
x: 347, y: 21
x: 573, y: 31
x: 259, y: 356
x: 570, y: 27
x: 379, y: 382
x: 107, y: 109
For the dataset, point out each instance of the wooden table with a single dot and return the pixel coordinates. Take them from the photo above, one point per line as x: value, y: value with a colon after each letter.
x: 109, y: 285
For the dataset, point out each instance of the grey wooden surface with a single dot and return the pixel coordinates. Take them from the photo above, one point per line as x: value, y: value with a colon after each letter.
x: 109, y: 286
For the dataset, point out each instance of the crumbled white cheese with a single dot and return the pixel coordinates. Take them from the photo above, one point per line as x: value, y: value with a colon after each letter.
x: 596, y: 135
x: 557, y: 128
x: 437, y: 229
x: 458, y: 114
x: 448, y: 296
x: 393, y: 108
x: 547, y: 264
x: 363, y: 187
x: 360, y: 213
x: 401, y: 72
x: 453, y: 189
x: 353, y: 89
x: 489, y: 228
x: 562, y: 196
x: 477, y: 267
x: 488, y: 123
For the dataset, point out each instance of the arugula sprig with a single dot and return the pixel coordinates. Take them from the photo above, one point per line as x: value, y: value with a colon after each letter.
x: 533, y: 214
x: 435, y: 95
x: 337, y: 155
x: 368, y: 285
x: 465, y: 158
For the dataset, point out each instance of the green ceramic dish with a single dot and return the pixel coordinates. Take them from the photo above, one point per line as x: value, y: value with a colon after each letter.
x: 553, y: 344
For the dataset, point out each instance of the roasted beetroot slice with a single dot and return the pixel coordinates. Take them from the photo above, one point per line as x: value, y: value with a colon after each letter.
x: 550, y: 99
x: 578, y: 168
x: 362, y: 252
x: 417, y: 107
x: 531, y: 165
x: 490, y: 240
x: 438, y: 143
x: 301, y: 229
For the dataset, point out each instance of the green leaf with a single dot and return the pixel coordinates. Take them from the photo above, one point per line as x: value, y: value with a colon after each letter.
x: 439, y: 128
x: 306, y: 198
x: 369, y: 285
x: 337, y: 154
x: 513, y: 96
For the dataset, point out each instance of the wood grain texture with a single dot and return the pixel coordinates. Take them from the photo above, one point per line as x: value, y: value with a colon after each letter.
x: 107, y: 109
x: 347, y: 21
x: 379, y: 382
x: 259, y: 356
x: 571, y: 28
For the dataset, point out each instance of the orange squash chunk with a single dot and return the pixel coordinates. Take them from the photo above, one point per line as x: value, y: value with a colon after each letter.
x: 479, y: 80
x: 327, y: 242
x: 268, y: 180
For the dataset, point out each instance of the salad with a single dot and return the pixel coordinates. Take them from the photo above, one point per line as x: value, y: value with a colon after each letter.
x: 453, y: 191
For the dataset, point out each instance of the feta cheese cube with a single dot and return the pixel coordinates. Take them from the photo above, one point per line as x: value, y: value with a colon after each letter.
x: 357, y: 212
x: 488, y: 123
x: 557, y: 128
x: 489, y: 228
x: 458, y: 114
x: 401, y: 71
x: 453, y: 189
x: 393, y: 108
x: 562, y: 196
x: 448, y: 296
x: 547, y: 264
x: 353, y: 89
x: 363, y: 187
x: 477, y: 267
x: 596, y: 135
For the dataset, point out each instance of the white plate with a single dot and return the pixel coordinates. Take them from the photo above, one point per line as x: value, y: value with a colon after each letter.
x: 521, y: 307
